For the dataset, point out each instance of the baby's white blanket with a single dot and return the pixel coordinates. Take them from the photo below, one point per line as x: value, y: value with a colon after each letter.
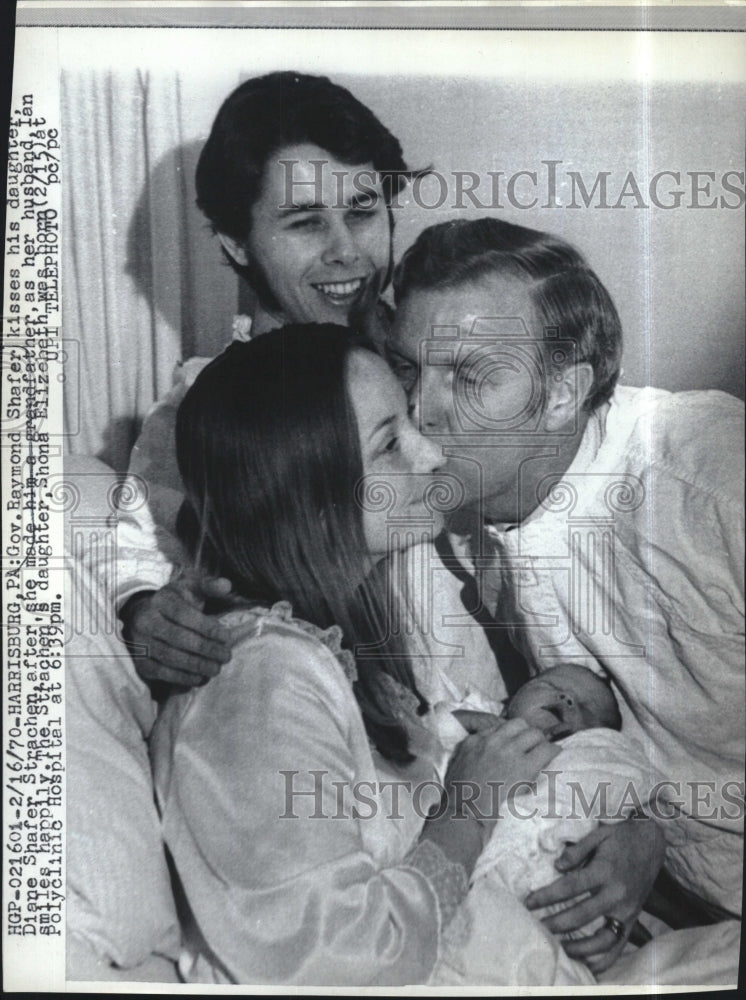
x: 599, y: 775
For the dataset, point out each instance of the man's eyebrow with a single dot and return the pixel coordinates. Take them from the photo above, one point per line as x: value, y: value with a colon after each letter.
x: 294, y: 209
x: 381, y: 424
x: 357, y: 201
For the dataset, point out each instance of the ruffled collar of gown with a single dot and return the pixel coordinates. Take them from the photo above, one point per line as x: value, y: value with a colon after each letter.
x: 282, y: 611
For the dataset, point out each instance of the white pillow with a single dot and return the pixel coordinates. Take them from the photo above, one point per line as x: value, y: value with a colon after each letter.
x: 120, y: 904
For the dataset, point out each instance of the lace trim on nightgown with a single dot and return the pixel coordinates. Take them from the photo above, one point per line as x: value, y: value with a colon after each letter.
x: 282, y: 611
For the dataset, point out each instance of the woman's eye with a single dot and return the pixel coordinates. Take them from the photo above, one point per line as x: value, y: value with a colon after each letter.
x: 406, y: 373
x: 391, y: 446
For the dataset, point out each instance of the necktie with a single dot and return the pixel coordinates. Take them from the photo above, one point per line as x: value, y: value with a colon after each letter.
x: 511, y: 662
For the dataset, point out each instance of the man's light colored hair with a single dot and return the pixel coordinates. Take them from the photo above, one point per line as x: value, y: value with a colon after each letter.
x: 568, y: 296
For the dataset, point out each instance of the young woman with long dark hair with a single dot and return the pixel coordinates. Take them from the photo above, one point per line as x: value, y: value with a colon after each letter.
x: 275, y: 779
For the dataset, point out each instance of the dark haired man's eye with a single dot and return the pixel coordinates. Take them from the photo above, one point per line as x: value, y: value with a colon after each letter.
x: 362, y: 214
x: 306, y: 222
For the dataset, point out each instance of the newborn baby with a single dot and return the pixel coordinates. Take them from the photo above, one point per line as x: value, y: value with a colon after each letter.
x: 561, y: 701
x: 599, y: 774
x: 577, y: 708
x: 565, y: 700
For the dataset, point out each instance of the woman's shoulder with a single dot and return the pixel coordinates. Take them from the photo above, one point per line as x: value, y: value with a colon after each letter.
x: 276, y: 627
x: 285, y: 675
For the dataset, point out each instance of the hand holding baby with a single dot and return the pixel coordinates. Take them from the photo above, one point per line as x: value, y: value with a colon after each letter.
x: 491, y: 762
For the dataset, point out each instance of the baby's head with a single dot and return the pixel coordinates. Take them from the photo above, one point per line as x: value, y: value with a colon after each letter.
x: 564, y: 700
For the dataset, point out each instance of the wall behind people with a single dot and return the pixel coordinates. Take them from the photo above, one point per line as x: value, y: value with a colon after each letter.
x: 676, y: 274
x: 144, y: 283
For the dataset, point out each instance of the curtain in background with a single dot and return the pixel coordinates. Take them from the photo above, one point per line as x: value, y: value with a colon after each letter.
x: 143, y: 283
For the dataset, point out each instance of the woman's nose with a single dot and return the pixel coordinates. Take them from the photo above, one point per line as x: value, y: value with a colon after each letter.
x: 341, y: 247
x: 428, y: 455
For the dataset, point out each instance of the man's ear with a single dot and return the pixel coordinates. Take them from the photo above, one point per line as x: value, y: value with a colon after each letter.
x: 234, y: 249
x: 567, y: 395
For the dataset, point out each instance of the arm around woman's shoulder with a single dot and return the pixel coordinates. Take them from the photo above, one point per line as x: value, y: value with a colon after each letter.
x: 151, y: 495
x: 283, y: 862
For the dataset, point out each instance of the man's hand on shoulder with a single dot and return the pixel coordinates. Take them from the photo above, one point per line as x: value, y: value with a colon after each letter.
x: 182, y: 645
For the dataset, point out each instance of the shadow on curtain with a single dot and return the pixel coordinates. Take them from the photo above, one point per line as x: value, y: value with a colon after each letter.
x: 143, y: 280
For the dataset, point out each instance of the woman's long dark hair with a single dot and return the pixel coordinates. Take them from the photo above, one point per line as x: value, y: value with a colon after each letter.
x: 268, y: 450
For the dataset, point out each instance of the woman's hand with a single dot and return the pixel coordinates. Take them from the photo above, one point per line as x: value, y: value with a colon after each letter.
x: 485, y: 770
x: 182, y: 645
x: 617, y: 863
x: 495, y: 762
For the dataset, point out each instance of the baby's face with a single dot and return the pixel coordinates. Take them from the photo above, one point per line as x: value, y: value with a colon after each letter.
x: 564, y: 700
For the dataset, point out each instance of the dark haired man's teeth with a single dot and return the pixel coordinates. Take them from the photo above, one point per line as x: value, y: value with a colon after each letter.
x: 340, y: 289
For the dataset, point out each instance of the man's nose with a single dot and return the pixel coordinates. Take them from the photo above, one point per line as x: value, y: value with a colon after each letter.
x: 341, y: 246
